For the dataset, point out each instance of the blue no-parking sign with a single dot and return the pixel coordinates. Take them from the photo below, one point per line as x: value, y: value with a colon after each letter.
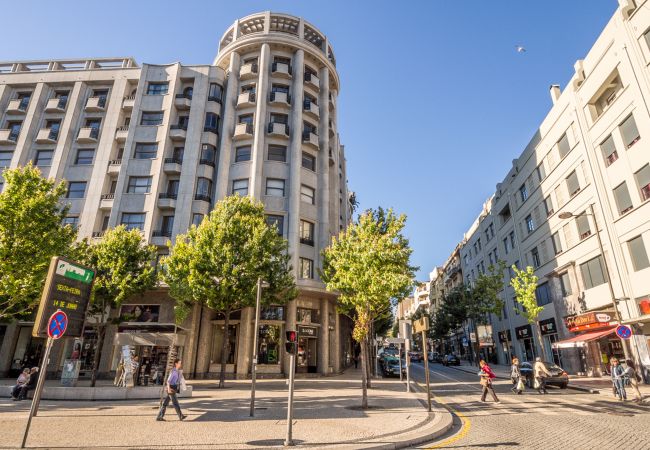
x: 57, y: 325
x: 624, y: 332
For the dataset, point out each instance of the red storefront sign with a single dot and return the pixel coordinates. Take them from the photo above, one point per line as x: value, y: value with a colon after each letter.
x: 589, y: 321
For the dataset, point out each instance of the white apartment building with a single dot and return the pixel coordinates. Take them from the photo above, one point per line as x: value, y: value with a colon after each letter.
x: 590, y: 151
x: 154, y: 147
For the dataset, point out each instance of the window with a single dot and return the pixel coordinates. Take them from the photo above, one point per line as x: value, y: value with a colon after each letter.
x: 211, y: 122
x: 572, y: 183
x: 84, y: 157
x: 593, y: 272
x: 197, y: 219
x: 53, y: 126
x: 277, y: 221
x: 306, y: 233
x: 563, y: 146
x: 172, y: 188
x: 204, y: 189
x: 308, y: 161
x: 73, y: 221
x: 167, y: 225
x: 629, y: 131
x: 279, y: 118
x: 43, y: 158
x: 643, y: 181
x: 307, y: 194
x: 523, y: 192
x: 151, y: 118
x: 76, y: 189
x: 622, y: 197
x: 283, y: 88
x: 638, y: 253
x: 306, y: 268
x: 208, y: 154
x: 478, y: 242
x: 565, y: 284
x: 309, y: 128
x: 582, y: 222
x: 609, y: 150
x: 182, y: 123
x: 277, y: 153
x: 541, y: 172
x: 512, y: 239
x: 145, y: 151
x: 548, y: 206
x: 274, y: 187
x: 159, y: 88
x: 5, y: 159
x: 543, y: 294
x: 215, y: 92
x: 506, y: 247
x: 557, y: 243
x: 133, y: 220
x: 534, y: 255
x: 240, y: 187
x: 243, y: 153
x: 246, y: 118
x: 606, y: 95
x: 530, y: 224
x: 139, y: 185
x: 268, y: 344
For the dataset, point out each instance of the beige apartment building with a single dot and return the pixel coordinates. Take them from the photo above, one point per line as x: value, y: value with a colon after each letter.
x: 154, y: 147
x: 588, y: 158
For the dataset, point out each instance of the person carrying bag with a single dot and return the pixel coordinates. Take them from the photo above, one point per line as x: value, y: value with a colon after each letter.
x: 174, y: 382
x: 487, y: 375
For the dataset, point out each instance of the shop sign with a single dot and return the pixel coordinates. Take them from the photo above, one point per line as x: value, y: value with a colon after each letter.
x: 308, y: 331
x: 524, y: 332
x: 547, y: 326
x: 589, y: 321
x: 505, y: 336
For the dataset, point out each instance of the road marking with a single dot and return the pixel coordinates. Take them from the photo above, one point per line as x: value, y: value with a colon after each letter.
x: 466, y: 425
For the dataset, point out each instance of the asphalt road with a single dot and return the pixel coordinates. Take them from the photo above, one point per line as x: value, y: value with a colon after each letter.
x: 563, y: 419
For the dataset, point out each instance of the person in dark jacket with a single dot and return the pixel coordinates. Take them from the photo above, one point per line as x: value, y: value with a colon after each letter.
x: 618, y: 379
x: 30, y: 385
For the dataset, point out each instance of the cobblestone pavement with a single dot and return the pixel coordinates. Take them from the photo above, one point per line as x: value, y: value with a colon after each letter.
x: 562, y: 419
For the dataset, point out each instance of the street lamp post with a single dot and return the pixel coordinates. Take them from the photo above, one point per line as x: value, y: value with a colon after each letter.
x: 260, y: 284
x: 568, y: 215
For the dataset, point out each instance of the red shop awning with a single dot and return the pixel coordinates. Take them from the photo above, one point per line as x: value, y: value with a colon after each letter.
x: 582, y: 339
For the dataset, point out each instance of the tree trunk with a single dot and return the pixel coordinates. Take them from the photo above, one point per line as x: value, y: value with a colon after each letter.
x: 225, y: 349
x: 540, y: 341
x: 101, y: 332
x: 368, y: 364
x: 364, y: 374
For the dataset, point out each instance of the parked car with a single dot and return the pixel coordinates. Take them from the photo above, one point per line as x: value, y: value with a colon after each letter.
x: 416, y: 356
x: 558, y: 377
x: 392, y: 367
x: 451, y: 360
x: 385, y: 353
x: 435, y: 357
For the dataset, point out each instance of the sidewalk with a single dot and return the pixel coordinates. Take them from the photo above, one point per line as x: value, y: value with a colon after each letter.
x: 326, y: 415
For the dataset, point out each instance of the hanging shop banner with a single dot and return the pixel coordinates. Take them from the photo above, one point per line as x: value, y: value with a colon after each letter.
x: 547, y: 326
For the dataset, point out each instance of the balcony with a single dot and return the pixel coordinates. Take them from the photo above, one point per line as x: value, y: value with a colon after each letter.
x: 248, y: 71
x: 96, y: 104
x: 331, y: 158
x: 128, y: 102
x: 310, y: 138
x: 207, y: 162
x: 88, y: 135
x: 17, y: 106
x: 280, y: 98
x: 331, y: 101
x: 172, y: 165
x: 114, y: 166
x: 183, y: 102
x: 98, y: 234
x: 121, y: 133
x: 243, y: 131
x: 203, y: 198
x: 8, y: 137
x: 311, y: 109
x: 281, y: 70
x: 312, y: 80
x: 278, y: 129
x: 161, y: 233
x: 106, y: 201
x: 167, y: 200
x: 246, y: 99
x: 47, y: 136
x: 56, y: 105
x: 178, y: 132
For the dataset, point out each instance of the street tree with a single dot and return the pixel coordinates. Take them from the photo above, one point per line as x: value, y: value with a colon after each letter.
x: 368, y: 265
x: 218, y: 263
x: 124, y: 266
x: 31, y: 232
x: 524, y: 284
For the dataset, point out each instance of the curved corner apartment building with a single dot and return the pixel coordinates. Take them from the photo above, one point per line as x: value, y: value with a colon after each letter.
x: 155, y: 146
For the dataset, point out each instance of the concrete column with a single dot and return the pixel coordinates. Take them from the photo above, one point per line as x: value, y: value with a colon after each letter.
x: 295, y: 152
x: 30, y: 125
x: 205, y: 344
x: 337, y: 342
x: 192, y: 344
x: 290, y: 326
x: 245, y: 344
x: 7, y: 348
x: 323, y: 168
x: 67, y: 133
x: 324, y: 338
x: 228, y: 128
x: 259, y: 140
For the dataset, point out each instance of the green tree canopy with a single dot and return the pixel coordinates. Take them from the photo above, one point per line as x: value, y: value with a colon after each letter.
x: 219, y: 262
x: 525, y: 285
x: 31, y: 232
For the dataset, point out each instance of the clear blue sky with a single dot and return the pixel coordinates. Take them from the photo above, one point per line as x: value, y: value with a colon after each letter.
x: 435, y: 100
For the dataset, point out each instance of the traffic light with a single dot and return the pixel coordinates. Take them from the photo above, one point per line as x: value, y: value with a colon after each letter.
x: 292, y: 340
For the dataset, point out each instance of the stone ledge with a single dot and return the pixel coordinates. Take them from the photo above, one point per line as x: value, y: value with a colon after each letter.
x: 97, y: 393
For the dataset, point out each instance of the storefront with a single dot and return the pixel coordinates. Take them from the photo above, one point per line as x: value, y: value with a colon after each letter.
x: 27, y: 350
x: 524, y: 336
x: 307, y: 355
x: 548, y: 329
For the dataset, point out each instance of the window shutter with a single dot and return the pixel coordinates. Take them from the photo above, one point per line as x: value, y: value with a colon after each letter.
x: 585, y: 173
x: 569, y: 235
x: 537, y: 216
x: 543, y: 251
x: 560, y: 195
x: 552, y: 158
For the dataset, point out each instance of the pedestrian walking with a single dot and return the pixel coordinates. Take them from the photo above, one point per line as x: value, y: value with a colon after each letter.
x: 487, y: 375
x: 174, y: 382
x: 515, y: 377
x: 540, y: 372
x: 635, y: 378
x: 618, y: 379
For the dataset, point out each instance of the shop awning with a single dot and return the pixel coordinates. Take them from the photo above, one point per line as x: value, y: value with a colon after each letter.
x: 149, y: 339
x: 582, y: 339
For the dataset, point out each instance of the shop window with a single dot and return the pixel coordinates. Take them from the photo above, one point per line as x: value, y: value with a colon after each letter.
x: 272, y: 312
x: 268, y: 344
x: 593, y: 272
x: 217, y: 344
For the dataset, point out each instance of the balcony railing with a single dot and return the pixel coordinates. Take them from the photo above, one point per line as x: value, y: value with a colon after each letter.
x: 207, y: 162
x: 115, y: 162
x: 307, y: 241
x: 98, y: 234
x: 168, y: 195
x: 173, y: 160
x: 281, y: 67
x: 109, y: 196
x: 161, y: 233
x: 186, y: 96
x: 211, y: 130
x: 278, y: 128
x: 203, y: 197
x: 178, y: 126
x: 280, y: 96
x: 585, y: 235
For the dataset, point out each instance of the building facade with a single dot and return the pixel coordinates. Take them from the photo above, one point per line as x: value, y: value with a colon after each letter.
x: 154, y: 147
x: 589, y: 160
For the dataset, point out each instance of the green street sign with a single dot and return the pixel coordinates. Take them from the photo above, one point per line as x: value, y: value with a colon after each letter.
x: 74, y: 272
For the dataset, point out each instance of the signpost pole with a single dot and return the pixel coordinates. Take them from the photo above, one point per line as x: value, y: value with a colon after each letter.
x: 39, y: 388
x: 407, y: 347
x: 292, y: 370
x: 255, y: 331
x: 399, y: 354
x: 426, y: 368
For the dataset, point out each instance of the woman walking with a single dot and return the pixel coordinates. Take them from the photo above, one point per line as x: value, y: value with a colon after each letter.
x: 618, y: 379
x: 515, y: 376
x: 174, y: 382
x: 634, y: 378
x: 487, y: 375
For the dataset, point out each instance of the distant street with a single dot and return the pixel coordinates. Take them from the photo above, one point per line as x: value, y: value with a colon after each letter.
x: 562, y: 419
